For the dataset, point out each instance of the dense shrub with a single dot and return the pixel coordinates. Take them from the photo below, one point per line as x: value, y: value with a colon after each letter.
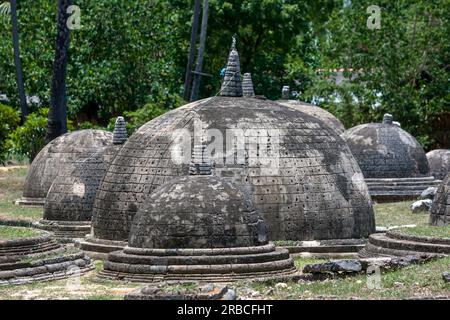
x: 28, y: 139
x: 9, y: 119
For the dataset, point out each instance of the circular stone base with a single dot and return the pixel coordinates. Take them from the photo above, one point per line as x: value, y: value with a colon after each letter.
x: 324, y: 248
x: 215, y: 265
x: 65, y: 230
x: 398, y: 189
x: 395, y: 243
x: 190, y: 291
x: 39, y: 258
x: 99, y: 248
x: 32, y: 202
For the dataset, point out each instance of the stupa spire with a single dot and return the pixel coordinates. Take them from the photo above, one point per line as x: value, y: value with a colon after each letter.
x: 247, y: 86
x: 285, y: 93
x: 387, y: 118
x: 200, y: 162
x: 232, y: 84
x: 120, y: 131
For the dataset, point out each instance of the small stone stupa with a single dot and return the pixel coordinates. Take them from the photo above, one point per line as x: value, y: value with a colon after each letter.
x: 211, y: 232
x: 69, y: 202
x: 439, y: 161
x: 59, y: 156
x: 312, y: 110
x: 393, y: 162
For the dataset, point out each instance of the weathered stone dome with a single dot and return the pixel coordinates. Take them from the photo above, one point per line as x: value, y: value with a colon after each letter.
x: 384, y: 150
x: 60, y: 155
x: 307, y: 187
x: 198, y: 212
x: 317, y: 112
x: 440, y: 210
x: 72, y: 194
x: 439, y: 162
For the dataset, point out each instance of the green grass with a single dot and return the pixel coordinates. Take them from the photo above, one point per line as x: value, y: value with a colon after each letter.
x: 397, y: 214
x: 413, y: 281
x: 11, y: 185
x: 429, y: 231
x: 10, y: 233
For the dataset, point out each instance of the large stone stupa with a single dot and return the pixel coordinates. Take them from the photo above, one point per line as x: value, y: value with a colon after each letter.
x: 302, y: 176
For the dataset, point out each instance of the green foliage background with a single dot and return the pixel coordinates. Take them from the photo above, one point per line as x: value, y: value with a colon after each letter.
x: 129, y: 57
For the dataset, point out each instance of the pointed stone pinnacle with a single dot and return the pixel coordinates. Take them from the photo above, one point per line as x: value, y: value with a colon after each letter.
x: 247, y: 86
x: 387, y: 118
x: 200, y: 163
x: 120, y: 131
x: 232, y: 84
x: 285, y: 93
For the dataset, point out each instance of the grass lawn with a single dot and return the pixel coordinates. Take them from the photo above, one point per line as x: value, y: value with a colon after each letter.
x: 411, y: 282
x: 10, y: 233
x: 11, y: 184
x: 430, y: 231
x: 397, y: 214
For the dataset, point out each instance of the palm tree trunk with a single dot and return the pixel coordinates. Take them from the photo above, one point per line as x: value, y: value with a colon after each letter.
x: 201, y: 51
x: 194, y: 32
x: 57, y: 115
x: 17, y: 63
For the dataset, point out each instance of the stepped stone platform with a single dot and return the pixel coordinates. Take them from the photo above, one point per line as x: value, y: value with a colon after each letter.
x: 39, y: 258
x: 396, y: 243
x: 65, y: 231
x: 215, y: 264
x: 397, y: 189
x: 99, y: 248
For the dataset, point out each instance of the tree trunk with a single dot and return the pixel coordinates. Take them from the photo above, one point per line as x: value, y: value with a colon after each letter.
x: 194, y: 32
x: 17, y: 63
x: 201, y: 51
x: 57, y: 115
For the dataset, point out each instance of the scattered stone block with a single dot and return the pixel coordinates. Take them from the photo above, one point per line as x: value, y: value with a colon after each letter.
x: 421, y: 206
x: 446, y: 276
x: 334, y: 266
x: 428, y: 193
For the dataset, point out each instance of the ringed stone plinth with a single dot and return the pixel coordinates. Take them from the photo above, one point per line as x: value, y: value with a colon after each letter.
x: 39, y: 258
x: 69, y: 202
x: 198, y: 228
x: 439, y: 161
x: 393, y: 163
x: 315, y: 111
x: 308, y: 187
x: 397, y: 243
x: 59, y: 156
x: 440, y: 209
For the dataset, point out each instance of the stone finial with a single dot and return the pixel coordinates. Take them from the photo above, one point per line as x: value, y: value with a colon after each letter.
x: 232, y: 84
x: 387, y: 118
x: 200, y: 163
x: 285, y: 93
x: 247, y: 86
x: 120, y: 131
